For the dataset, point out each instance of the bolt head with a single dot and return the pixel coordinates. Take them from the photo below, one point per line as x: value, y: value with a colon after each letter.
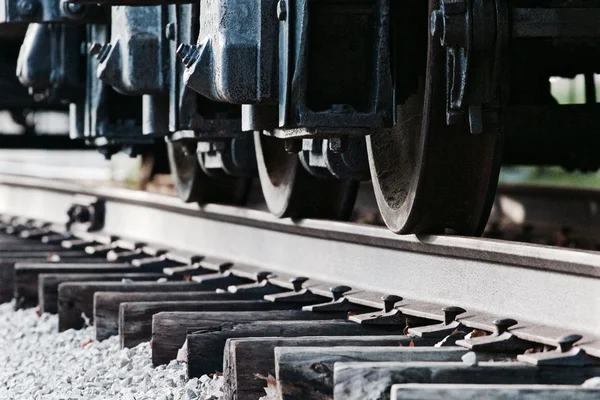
x: 74, y: 8
x: 170, y: 31
x: 94, y: 48
x: 182, y: 49
x: 281, y: 10
x: 188, y: 54
x: 27, y: 7
x: 101, y: 56
x: 338, y: 145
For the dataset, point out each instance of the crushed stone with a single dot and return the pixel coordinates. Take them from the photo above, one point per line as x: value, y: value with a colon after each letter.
x: 37, y: 362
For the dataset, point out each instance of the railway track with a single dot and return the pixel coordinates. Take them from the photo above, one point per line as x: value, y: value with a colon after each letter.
x: 328, y: 309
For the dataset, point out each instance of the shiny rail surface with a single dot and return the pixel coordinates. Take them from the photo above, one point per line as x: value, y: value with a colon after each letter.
x: 551, y: 291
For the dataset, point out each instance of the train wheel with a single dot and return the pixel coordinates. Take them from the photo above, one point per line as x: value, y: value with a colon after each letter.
x: 193, y: 185
x: 430, y: 177
x: 290, y: 191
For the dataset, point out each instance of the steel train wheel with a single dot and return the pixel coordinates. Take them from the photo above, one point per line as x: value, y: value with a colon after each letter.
x: 193, y: 185
x: 429, y: 177
x: 290, y: 191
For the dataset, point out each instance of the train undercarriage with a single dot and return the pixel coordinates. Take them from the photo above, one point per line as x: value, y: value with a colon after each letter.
x: 425, y: 99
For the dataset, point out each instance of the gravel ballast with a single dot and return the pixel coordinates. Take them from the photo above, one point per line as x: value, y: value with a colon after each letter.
x: 37, y: 362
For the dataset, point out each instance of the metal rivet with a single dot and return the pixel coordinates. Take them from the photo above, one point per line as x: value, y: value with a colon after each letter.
x: 450, y: 313
x: 502, y: 325
x: 281, y: 10
x: 72, y: 9
x: 27, y: 7
x: 170, y: 31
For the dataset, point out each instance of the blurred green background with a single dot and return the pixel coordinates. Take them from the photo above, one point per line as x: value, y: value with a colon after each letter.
x: 549, y: 176
x: 565, y: 91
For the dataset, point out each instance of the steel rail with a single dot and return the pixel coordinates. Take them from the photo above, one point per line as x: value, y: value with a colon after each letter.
x: 550, y: 291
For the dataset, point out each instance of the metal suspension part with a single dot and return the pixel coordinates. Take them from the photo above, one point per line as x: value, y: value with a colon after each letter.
x: 218, y: 164
x: 291, y: 191
x: 326, y: 82
x: 194, y: 185
x: 50, y: 64
x: 341, y: 158
x: 131, y: 63
x: 279, y: 86
x: 466, y: 28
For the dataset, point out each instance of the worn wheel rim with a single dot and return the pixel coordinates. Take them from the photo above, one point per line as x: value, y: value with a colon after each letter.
x: 193, y: 185
x: 290, y: 191
x: 429, y: 177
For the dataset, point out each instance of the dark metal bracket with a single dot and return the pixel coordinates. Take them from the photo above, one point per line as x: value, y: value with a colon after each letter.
x: 86, y: 213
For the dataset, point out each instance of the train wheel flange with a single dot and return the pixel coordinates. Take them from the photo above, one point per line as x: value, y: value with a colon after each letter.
x: 193, y: 185
x: 290, y: 191
x: 431, y: 175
